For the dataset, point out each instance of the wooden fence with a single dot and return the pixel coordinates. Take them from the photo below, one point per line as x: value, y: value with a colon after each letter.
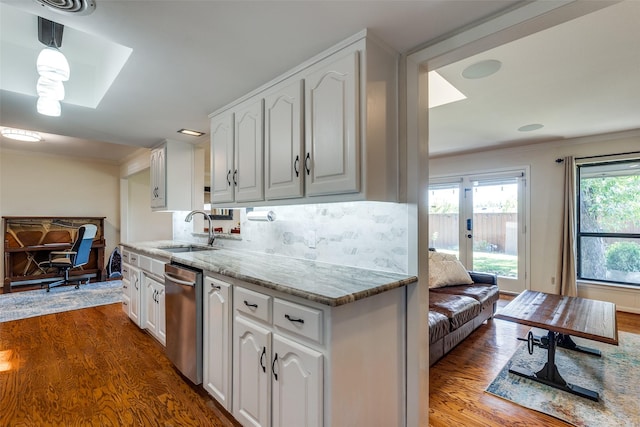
x: 492, y: 232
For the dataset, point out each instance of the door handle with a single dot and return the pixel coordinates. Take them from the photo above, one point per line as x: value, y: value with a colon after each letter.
x: 306, y: 163
x: 273, y: 367
x: 235, y: 175
x: 228, y: 179
x: 295, y: 165
x: 469, y: 236
x: 264, y: 353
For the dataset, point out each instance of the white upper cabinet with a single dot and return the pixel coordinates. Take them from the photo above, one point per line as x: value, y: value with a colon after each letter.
x: 222, y: 166
x: 171, y: 176
x: 330, y: 131
x: 158, y: 177
x: 237, y: 143
x: 248, y: 137
x: 332, y: 161
x: 283, y: 141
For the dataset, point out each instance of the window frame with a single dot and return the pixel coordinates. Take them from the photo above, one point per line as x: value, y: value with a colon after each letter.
x: 590, y: 234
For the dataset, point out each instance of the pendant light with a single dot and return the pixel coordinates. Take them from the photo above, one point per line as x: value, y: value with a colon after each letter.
x: 48, y: 88
x: 53, y: 65
x: 49, y: 107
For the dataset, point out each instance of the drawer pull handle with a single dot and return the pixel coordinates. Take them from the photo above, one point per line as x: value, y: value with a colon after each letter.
x: 248, y: 304
x: 293, y: 319
x: 125, y: 286
x: 216, y: 287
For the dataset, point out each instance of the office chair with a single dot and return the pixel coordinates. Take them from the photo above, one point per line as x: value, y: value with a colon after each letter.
x: 77, y: 256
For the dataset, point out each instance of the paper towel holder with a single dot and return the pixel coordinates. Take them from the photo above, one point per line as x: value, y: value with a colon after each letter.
x: 264, y: 216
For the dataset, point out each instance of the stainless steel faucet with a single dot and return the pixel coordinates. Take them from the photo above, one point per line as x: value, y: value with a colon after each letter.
x: 212, y: 237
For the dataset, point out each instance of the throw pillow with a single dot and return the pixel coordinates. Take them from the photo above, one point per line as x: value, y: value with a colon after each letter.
x: 446, y: 270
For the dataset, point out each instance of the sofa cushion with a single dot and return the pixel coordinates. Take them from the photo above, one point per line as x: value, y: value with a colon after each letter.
x: 439, y: 326
x: 446, y: 270
x: 458, y: 308
x: 483, y: 293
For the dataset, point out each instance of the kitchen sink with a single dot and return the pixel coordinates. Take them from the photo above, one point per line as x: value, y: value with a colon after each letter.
x: 178, y: 249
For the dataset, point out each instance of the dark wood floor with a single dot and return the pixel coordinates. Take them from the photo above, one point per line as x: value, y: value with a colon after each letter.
x: 457, y: 382
x: 94, y: 367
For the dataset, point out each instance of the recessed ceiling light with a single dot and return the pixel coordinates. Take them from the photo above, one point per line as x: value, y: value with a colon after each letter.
x: 481, y: 69
x: 190, y: 132
x: 531, y: 127
x: 21, y: 135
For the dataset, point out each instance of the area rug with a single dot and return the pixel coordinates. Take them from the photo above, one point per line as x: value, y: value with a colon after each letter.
x: 615, y: 376
x: 21, y: 305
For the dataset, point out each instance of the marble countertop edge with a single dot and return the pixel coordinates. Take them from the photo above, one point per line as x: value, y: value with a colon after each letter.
x: 320, y: 282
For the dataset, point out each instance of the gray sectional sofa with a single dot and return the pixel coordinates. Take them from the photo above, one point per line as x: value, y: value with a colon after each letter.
x: 456, y: 311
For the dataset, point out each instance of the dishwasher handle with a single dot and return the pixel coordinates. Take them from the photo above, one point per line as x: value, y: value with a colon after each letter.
x: 174, y: 279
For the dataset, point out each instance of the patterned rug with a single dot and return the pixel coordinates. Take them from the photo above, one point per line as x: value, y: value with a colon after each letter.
x: 21, y: 305
x: 615, y: 376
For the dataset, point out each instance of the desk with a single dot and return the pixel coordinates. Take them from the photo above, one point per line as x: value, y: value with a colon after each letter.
x: 562, y: 317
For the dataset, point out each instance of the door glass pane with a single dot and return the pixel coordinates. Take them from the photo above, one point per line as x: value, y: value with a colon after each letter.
x: 495, y: 227
x: 444, y: 214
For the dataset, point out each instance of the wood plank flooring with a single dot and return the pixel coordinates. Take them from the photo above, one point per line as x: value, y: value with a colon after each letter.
x: 94, y: 367
x: 457, y: 382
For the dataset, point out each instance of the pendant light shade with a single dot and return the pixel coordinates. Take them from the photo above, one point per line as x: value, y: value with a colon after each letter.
x: 53, y: 65
x: 47, y: 88
x: 49, y: 107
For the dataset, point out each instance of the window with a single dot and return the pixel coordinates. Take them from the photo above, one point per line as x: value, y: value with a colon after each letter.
x: 608, y: 235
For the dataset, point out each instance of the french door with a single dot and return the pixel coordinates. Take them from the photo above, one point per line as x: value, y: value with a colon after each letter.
x: 481, y: 219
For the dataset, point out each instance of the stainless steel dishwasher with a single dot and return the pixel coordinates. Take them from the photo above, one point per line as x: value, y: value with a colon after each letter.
x: 183, y: 304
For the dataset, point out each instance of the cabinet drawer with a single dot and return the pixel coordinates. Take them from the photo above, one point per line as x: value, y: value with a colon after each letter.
x: 126, y: 288
x: 299, y: 319
x: 252, y: 303
x: 133, y: 259
x: 144, y: 262
x: 157, y: 267
x: 126, y: 272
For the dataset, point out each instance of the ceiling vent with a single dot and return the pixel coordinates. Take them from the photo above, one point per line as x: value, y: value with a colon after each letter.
x: 69, y: 7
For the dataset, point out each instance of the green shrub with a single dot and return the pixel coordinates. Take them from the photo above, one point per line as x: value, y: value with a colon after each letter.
x: 623, y: 256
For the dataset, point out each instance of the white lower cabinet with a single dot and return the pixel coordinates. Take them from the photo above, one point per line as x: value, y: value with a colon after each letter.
x: 217, y: 344
x: 251, y: 373
x: 135, y: 291
x: 273, y: 359
x: 155, y: 319
x: 276, y: 381
x: 296, y: 384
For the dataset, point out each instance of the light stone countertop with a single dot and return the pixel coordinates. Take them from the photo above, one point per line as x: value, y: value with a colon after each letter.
x: 324, y: 283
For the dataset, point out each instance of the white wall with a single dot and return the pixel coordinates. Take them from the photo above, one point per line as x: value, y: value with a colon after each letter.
x: 545, y: 185
x: 33, y: 184
x: 143, y: 223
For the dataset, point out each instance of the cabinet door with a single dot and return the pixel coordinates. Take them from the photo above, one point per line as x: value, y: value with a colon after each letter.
x: 222, y: 169
x: 161, y: 325
x: 150, y: 304
x: 297, y: 384
x: 251, y: 373
x: 158, y: 177
x: 217, y: 342
x: 283, y: 142
x: 135, y: 292
x: 332, y: 158
x: 248, y: 137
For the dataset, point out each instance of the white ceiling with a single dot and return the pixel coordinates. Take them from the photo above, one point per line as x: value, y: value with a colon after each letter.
x: 189, y: 58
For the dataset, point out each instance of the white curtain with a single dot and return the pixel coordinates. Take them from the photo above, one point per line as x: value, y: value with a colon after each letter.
x: 566, y: 283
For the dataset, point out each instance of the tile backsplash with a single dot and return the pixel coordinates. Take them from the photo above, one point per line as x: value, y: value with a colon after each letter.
x: 370, y: 235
